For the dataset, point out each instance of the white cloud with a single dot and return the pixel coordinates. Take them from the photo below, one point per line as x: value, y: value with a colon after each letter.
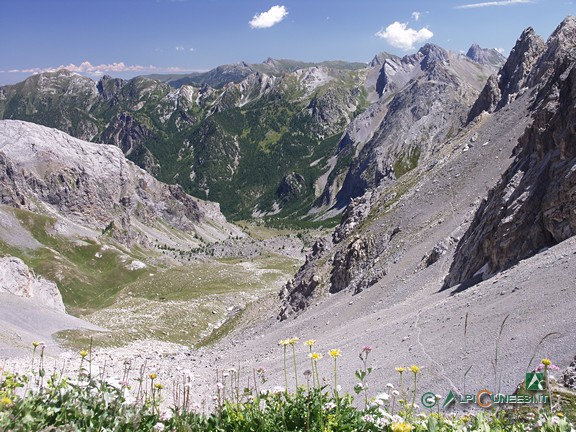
x: 400, y: 36
x: 416, y: 15
x: 88, y: 68
x: 500, y: 50
x: 269, y: 18
x: 179, y: 48
x: 492, y: 3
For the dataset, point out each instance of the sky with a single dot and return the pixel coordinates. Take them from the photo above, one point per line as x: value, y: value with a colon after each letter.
x: 125, y: 38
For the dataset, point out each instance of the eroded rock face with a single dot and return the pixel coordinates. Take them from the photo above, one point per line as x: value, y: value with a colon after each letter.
x: 534, y: 205
x: 16, y: 278
x: 94, y: 185
x: 503, y: 88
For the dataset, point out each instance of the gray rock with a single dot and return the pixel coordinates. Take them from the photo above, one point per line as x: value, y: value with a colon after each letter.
x: 16, y: 278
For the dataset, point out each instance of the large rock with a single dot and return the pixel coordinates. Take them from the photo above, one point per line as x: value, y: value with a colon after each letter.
x: 514, y: 76
x: 16, y: 278
x: 534, y: 205
x: 43, y: 169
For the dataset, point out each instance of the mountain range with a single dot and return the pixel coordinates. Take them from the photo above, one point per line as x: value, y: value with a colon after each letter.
x: 276, y: 138
x: 450, y: 180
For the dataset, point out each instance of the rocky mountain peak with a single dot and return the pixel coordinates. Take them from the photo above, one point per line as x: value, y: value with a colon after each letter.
x: 432, y: 54
x: 560, y: 48
x: 513, y: 76
x: 485, y: 56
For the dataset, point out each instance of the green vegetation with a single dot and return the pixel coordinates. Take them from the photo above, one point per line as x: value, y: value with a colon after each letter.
x: 34, y: 401
x: 406, y: 161
x: 89, y: 274
x: 183, y: 304
x: 224, y: 144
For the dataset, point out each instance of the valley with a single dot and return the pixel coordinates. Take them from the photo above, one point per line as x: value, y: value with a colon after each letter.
x: 424, y: 205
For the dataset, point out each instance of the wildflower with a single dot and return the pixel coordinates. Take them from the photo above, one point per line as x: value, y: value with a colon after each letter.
x: 383, y: 397
x: 35, y: 344
x: 315, y: 356
x: 153, y: 376
x: 307, y: 373
x: 559, y: 414
x: 292, y: 341
x: 283, y: 342
x: 232, y: 371
x: 546, y: 362
x: 367, y: 349
x: 219, y: 386
x: 415, y: 369
x: 400, y: 369
x: 368, y: 418
x: 310, y: 342
x: 401, y: 427
x: 6, y: 401
x: 329, y: 405
x: 278, y: 389
x: 395, y: 393
x: 390, y: 386
x: 334, y: 353
x: 261, y: 370
x: 437, y: 397
x: 83, y: 353
x: 158, y: 386
x: 542, y: 366
x: 159, y: 427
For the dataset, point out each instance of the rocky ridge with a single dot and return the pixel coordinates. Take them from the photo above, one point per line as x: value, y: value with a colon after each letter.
x: 234, y: 134
x: 422, y: 101
x: 406, y: 225
x: 534, y: 205
x: 46, y: 171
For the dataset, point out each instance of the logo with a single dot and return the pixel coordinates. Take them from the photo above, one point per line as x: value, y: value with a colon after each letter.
x: 428, y: 399
x: 449, y: 399
x: 535, y: 381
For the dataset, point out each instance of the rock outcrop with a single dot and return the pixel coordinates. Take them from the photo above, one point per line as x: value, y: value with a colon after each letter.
x: 43, y: 169
x: 423, y: 100
x: 503, y: 88
x: 534, y: 205
x: 16, y: 278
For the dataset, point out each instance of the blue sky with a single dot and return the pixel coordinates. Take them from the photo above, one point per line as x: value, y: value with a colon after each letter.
x: 131, y: 37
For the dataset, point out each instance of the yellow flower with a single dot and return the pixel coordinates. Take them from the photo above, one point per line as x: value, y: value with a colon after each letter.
x: 35, y: 344
x: 6, y: 401
x: 546, y: 362
x: 293, y: 340
x: 415, y: 369
x: 158, y: 386
x: 283, y: 342
x: 559, y: 414
x: 315, y: 356
x: 83, y: 353
x: 153, y: 376
x: 400, y: 369
x: 310, y: 342
x: 334, y: 353
x: 401, y: 427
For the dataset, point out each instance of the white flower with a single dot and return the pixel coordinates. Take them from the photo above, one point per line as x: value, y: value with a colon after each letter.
x: 395, y: 393
x: 368, y: 418
x: 278, y: 389
x: 329, y: 406
x: 159, y: 427
x: 383, y: 397
x: 390, y: 386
